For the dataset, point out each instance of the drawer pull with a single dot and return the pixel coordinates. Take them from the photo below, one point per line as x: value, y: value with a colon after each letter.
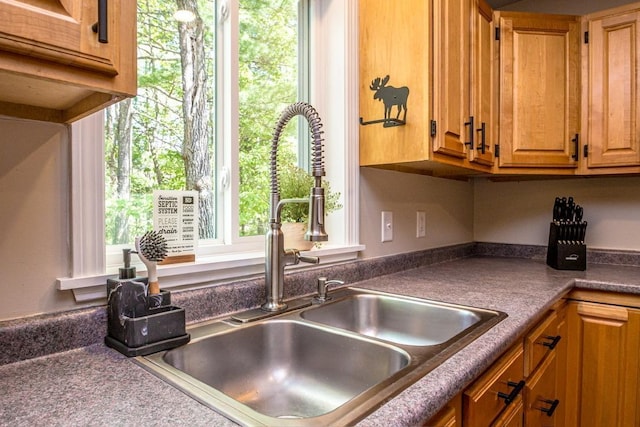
x: 553, y: 341
x: 517, y: 388
x: 551, y: 409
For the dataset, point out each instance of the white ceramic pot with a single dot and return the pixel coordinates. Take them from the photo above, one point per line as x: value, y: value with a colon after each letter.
x: 294, y: 236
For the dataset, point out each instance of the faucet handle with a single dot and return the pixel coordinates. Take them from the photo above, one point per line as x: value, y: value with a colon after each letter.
x: 323, y: 287
x: 307, y: 259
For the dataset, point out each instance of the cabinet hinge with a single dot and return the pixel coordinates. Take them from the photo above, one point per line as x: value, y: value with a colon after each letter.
x: 496, y: 150
x: 498, y: 33
x: 433, y: 127
x: 585, y: 151
x: 586, y: 37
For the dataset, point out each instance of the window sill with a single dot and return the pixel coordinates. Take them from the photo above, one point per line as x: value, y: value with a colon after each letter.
x: 205, y: 271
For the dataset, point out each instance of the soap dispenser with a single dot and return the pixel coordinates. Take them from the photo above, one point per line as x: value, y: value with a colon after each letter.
x: 125, y: 273
x: 138, y: 323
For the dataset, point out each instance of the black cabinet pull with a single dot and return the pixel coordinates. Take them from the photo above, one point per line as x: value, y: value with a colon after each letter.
x: 101, y: 27
x: 551, y: 409
x: 553, y: 341
x: 471, y: 132
x: 576, y: 143
x: 483, y: 131
x: 517, y: 388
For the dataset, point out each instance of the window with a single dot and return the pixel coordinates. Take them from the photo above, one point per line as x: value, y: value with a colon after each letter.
x: 237, y: 123
x: 165, y: 138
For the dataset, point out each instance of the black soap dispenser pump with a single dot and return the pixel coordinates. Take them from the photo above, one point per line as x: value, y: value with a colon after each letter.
x: 127, y: 272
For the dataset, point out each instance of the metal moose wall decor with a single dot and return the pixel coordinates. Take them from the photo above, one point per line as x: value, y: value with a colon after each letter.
x: 390, y: 97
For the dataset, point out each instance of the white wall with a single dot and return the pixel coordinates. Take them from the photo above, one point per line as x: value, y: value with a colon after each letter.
x: 520, y: 212
x: 34, y: 214
x: 34, y: 208
x: 448, y: 205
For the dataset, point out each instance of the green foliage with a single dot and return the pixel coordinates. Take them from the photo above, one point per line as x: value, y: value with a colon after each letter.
x: 268, y: 81
x: 296, y: 183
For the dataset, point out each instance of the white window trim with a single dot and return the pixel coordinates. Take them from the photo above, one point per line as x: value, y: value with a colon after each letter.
x: 335, y: 42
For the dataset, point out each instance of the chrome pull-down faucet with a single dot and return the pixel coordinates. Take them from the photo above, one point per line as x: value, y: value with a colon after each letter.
x: 276, y: 257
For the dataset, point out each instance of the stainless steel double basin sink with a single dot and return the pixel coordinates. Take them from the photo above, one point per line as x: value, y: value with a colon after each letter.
x: 325, y: 364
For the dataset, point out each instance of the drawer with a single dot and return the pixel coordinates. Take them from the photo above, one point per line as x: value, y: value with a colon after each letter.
x: 485, y: 399
x: 540, y: 341
x: 513, y: 416
x: 541, y: 396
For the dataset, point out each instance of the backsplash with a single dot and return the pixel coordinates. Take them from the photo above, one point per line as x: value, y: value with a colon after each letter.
x: 40, y: 335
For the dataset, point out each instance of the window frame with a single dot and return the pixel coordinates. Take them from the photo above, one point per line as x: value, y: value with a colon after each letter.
x: 333, y: 41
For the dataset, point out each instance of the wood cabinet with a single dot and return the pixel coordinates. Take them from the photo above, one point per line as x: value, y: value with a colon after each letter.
x: 539, y: 93
x: 604, y: 360
x: 54, y: 67
x: 611, y: 54
x: 543, y: 101
x: 545, y: 356
x: 443, y: 112
x: 464, y: 91
x: 512, y: 416
x: 484, y: 85
x: 395, y: 40
x: 525, y: 386
x: 496, y: 390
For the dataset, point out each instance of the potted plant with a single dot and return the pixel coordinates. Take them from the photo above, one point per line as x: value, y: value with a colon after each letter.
x: 296, y: 183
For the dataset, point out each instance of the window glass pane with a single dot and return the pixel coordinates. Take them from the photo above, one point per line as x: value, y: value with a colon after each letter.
x: 268, y: 79
x: 164, y: 138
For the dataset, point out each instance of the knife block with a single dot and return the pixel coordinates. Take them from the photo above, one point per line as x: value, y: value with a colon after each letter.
x: 139, y: 324
x: 565, y: 255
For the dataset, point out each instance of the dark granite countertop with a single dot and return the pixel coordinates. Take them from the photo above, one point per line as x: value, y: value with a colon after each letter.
x: 95, y: 385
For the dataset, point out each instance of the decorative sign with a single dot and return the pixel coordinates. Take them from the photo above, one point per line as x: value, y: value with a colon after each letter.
x: 175, y: 217
x: 390, y: 97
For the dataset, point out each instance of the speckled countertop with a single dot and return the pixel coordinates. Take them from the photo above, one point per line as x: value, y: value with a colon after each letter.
x: 95, y: 385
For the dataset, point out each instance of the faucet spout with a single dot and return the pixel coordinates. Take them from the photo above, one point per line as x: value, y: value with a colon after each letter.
x: 276, y: 257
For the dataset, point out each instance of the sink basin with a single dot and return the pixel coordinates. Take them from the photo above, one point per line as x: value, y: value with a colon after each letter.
x: 287, y: 369
x: 399, y: 320
x: 328, y: 364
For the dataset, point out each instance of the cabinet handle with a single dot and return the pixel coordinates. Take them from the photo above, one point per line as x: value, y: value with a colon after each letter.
x: 517, y: 388
x: 553, y: 341
x: 100, y: 27
x: 576, y: 143
x: 471, y: 132
x: 483, y: 131
x: 551, y: 409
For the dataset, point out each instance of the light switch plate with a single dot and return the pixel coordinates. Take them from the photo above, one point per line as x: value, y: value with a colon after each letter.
x: 387, y: 226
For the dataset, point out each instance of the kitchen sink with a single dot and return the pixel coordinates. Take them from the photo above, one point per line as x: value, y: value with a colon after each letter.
x: 326, y: 364
x: 287, y: 369
x: 400, y: 320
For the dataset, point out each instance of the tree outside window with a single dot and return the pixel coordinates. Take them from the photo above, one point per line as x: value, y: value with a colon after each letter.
x: 165, y: 137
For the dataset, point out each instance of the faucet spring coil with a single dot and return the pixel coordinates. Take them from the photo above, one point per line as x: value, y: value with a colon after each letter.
x: 315, y: 128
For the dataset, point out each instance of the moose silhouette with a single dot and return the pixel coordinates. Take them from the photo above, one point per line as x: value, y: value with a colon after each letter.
x: 390, y: 96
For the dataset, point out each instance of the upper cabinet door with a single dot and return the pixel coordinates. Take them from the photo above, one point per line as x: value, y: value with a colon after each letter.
x: 612, y: 99
x: 395, y: 81
x: 539, y: 90
x: 451, y: 73
x: 61, y: 31
x: 483, y: 84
